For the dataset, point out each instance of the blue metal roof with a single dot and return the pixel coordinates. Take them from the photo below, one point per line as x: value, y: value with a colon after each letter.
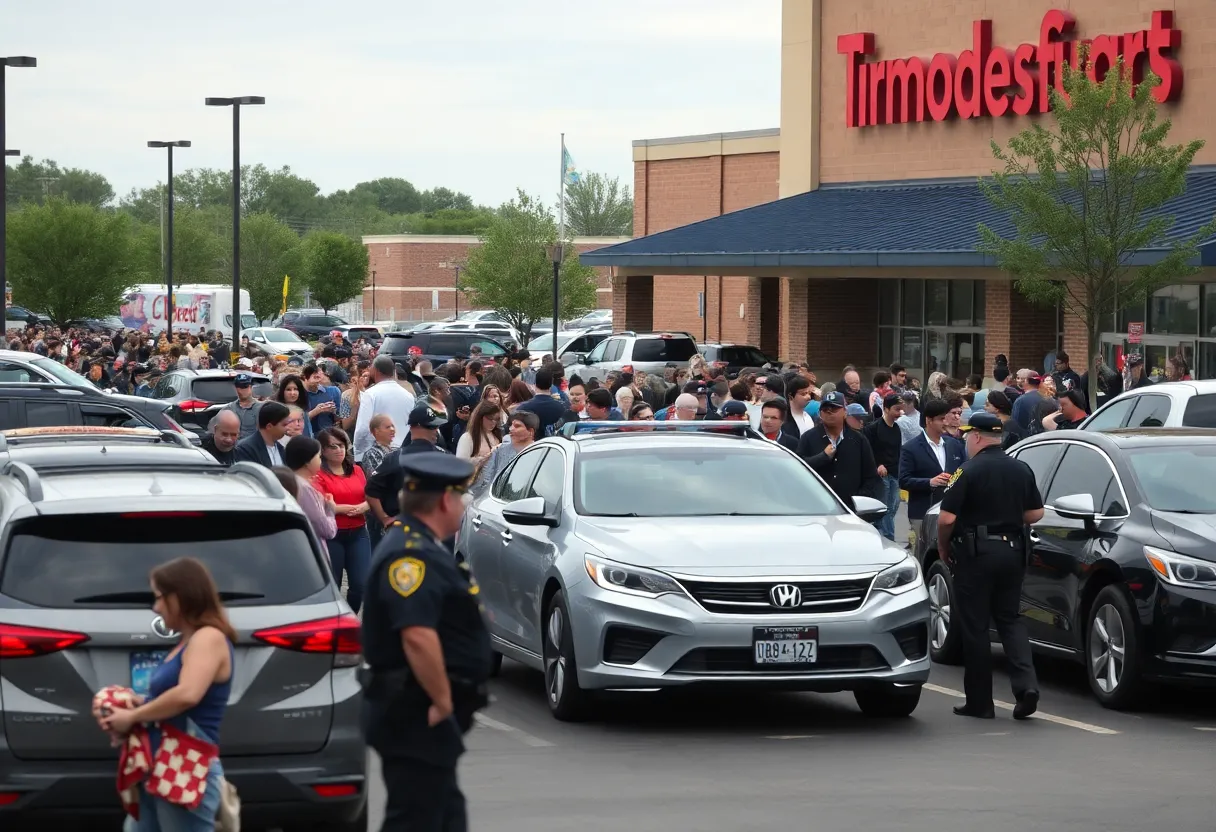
x: 898, y: 224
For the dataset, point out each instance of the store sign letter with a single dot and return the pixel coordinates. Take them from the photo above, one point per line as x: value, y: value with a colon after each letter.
x: 988, y: 80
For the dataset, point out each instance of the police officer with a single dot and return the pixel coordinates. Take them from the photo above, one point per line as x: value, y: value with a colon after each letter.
x: 982, y: 536
x: 427, y: 650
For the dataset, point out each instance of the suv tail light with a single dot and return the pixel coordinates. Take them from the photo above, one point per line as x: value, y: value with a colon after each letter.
x: 193, y: 405
x: 27, y: 642
x: 339, y: 634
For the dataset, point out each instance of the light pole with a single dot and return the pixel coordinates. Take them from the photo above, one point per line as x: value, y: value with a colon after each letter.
x: 236, y: 104
x: 373, y: 295
x: 20, y: 61
x: 555, y: 255
x: 455, y: 286
x: 169, y: 233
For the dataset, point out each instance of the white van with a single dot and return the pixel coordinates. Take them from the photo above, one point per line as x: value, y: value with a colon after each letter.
x: 195, y: 307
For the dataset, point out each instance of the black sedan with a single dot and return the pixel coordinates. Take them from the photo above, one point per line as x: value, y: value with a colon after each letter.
x: 1122, y: 572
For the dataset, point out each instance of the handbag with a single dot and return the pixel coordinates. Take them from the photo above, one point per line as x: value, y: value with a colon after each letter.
x: 229, y: 818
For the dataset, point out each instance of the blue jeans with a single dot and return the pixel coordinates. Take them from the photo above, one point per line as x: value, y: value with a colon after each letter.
x: 890, y: 496
x: 351, y: 550
x: 159, y: 815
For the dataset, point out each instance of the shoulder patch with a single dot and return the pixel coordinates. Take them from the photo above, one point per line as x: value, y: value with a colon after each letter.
x: 405, y: 575
x: 954, y: 477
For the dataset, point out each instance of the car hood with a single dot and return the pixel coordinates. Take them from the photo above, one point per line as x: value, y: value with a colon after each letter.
x: 742, y: 546
x: 288, y: 346
x: 1189, y: 534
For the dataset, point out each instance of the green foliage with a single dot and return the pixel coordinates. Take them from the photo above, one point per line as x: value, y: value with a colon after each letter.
x: 68, y: 259
x: 597, y: 206
x: 269, y: 252
x: 512, y: 274
x: 1082, y: 198
x: 201, y: 254
x: 36, y: 182
x: 335, y: 267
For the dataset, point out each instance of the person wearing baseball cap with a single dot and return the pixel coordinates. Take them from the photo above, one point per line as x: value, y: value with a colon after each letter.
x: 855, y: 416
x: 842, y: 457
x: 734, y: 411
x: 384, y: 487
x: 245, y: 407
x: 700, y: 389
x: 1137, y: 374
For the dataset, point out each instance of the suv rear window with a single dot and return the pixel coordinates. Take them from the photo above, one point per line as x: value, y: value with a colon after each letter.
x: 224, y: 390
x: 395, y: 344
x: 663, y: 349
x: 256, y: 558
x: 745, y: 356
x: 355, y: 333
x: 1200, y: 412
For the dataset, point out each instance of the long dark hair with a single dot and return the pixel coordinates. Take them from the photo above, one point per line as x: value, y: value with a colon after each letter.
x: 338, y: 435
x: 477, y: 432
x: 198, y: 600
x: 298, y: 383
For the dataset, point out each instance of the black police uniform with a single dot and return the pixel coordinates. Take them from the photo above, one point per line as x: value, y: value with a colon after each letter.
x: 989, y: 547
x: 415, y: 582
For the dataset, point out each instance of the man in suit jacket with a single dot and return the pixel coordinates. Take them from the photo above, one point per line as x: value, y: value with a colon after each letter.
x: 773, y: 414
x: 927, y: 462
x: 841, y: 456
x: 263, y: 446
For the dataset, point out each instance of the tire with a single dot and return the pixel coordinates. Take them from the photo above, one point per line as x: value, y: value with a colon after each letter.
x: 495, y: 664
x: 1112, y: 626
x: 567, y: 700
x: 940, y: 583
x: 888, y: 701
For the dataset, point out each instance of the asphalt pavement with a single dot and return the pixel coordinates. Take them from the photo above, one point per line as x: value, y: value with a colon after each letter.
x: 755, y: 762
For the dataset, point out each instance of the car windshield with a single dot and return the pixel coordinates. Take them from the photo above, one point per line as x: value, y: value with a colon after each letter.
x: 61, y: 373
x: 745, y: 356
x: 663, y: 349
x: 279, y: 336
x: 700, y: 480
x: 1172, y: 477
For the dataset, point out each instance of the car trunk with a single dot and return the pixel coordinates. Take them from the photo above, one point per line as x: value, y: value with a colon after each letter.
x: 83, y: 620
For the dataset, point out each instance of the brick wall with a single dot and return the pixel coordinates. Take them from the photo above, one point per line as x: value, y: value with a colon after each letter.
x: 1022, y: 331
x: 842, y: 325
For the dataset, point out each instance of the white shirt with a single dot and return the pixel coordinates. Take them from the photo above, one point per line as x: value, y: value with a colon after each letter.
x: 802, y: 420
x: 391, y: 399
x: 276, y: 459
x: 939, y: 449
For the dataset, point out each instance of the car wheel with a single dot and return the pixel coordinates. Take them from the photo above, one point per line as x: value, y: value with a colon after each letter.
x: 1112, y: 651
x: 567, y: 701
x: 945, y: 643
x: 495, y: 664
x: 888, y: 701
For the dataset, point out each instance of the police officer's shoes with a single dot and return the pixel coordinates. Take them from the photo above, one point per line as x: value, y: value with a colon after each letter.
x: 1027, y: 704
x: 966, y: 710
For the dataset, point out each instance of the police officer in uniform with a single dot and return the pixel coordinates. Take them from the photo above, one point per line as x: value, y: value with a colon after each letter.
x: 427, y: 649
x: 982, y: 536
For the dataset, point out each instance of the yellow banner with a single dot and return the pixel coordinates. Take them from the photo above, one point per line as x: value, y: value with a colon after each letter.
x: 286, y: 285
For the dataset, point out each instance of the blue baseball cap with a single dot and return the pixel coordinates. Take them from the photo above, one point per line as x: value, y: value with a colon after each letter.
x: 734, y: 408
x: 243, y: 380
x: 833, y: 399
x: 855, y: 409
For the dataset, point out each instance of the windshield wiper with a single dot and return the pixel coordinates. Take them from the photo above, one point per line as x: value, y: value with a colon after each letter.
x: 147, y: 598
x: 616, y: 514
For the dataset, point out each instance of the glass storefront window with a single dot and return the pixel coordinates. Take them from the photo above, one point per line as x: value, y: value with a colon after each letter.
x: 913, y: 303
x: 937, y: 302
x: 981, y: 302
x: 1207, y: 360
x: 887, y: 346
x: 1174, y: 310
x: 939, y: 361
x: 888, y: 302
x: 912, y: 350
x: 1209, y: 311
x: 962, y: 302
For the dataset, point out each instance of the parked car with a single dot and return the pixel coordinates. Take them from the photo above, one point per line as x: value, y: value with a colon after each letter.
x: 276, y: 341
x: 195, y: 396
x: 1122, y: 574
x: 1171, y: 404
x: 596, y: 317
x: 21, y: 315
x: 570, y: 344
x: 353, y: 332
x: 490, y: 328
x: 650, y: 352
x: 98, y: 326
x: 82, y: 523
x: 309, y: 323
x: 734, y: 357
x: 438, y: 345
x: 606, y: 562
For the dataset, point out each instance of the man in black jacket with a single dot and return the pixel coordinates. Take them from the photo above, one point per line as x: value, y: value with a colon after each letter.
x: 886, y: 438
x: 841, y: 456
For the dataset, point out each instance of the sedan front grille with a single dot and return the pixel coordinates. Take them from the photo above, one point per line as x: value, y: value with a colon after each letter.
x: 755, y: 597
x: 832, y: 658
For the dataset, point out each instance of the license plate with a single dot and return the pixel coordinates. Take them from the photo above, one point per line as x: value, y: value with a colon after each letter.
x: 786, y: 645
x: 143, y: 665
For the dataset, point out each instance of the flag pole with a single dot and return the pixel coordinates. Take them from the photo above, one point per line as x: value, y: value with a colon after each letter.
x: 559, y: 252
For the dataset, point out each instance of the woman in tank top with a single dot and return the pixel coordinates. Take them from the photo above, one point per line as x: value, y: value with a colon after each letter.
x: 189, y: 690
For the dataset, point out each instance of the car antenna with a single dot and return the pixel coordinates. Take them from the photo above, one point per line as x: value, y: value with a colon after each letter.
x: 155, y: 488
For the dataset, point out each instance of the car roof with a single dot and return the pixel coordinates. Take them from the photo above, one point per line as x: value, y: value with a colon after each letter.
x: 1128, y: 438
x: 218, y: 373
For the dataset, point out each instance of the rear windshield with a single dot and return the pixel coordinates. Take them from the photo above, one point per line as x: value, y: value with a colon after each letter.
x: 396, y: 345
x: 744, y: 356
x: 355, y: 333
x: 255, y: 558
x: 663, y: 349
x: 1200, y: 412
x: 223, y: 389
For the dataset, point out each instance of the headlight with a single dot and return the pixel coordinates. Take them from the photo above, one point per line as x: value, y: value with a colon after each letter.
x: 899, y: 578
x: 1181, y: 570
x: 632, y: 580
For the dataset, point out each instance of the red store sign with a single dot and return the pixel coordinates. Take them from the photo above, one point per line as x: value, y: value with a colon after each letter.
x: 995, y: 81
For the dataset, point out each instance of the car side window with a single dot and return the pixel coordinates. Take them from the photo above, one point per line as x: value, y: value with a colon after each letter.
x: 1113, y: 415
x: 9, y: 415
x: 616, y: 346
x: 104, y: 416
x: 549, y: 479
x: 1042, y: 460
x: 48, y: 414
x: 1151, y: 411
x: 513, y: 485
x: 15, y: 373
x: 448, y: 345
x: 1084, y: 471
x: 489, y: 348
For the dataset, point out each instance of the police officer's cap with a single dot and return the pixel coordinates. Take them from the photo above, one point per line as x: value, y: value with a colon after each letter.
x: 982, y: 422
x: 425, y: 416
x: 435, y: 472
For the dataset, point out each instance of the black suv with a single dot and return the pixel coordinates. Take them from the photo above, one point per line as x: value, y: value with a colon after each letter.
x: 20, y: 313
x: 438, y: 346
x: 38, y: 405
x: 195, y: 396
x: 310, y: 323
x: 734, y: 357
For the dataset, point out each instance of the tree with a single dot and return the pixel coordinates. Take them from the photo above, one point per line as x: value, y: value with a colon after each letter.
x: 335, y: 268
x: 69, y: 260
x: 597, y: 206
x: 36, y: 182
x: 438, y: 199
x: 511, y: 273
x: 1086, y: 196
x: 269, y: 252
x: 201, y: 248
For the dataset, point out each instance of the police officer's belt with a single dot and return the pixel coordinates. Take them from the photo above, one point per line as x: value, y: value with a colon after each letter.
x: 997, y: 532
x: 468, y: 696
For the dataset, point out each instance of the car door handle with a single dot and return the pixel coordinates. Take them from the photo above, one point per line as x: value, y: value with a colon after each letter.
x: 1034, y: 538
x: 506, y: 537
x: 475, y: 520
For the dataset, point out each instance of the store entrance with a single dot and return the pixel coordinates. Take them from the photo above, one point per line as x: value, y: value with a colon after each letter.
x: 957, y: 354
x: 1156, y: 350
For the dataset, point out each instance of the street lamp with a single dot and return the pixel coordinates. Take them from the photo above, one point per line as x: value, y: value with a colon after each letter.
x: 236, y: 104
x: 373, y: 295
x: 455, y: 286
x: 555, y: 256
x: 169, y: 248
x: 19, y: 61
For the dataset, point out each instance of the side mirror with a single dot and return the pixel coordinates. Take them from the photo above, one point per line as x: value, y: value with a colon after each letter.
x: 528, y: 512
x: 581, y: 358
x: 1076, y: 507
x: 869, y: 509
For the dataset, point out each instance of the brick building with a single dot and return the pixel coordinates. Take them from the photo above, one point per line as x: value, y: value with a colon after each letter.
x: 849, y: 233
x: 413, y: 276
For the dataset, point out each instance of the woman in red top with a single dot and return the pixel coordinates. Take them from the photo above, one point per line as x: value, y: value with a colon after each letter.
x: 351, y: 548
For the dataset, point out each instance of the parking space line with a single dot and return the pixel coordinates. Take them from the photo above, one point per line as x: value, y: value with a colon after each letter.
x: 522, y: 736
x: 1006, y: 706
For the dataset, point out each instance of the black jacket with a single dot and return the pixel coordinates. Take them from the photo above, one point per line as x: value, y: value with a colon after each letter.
x: 222, y: 457
x: 253, y: 449
x: 850, y: 472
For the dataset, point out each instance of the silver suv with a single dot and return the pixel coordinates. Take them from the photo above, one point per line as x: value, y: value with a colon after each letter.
x: 83, y: 519
x: 649, y: 352
x: 646, y: 555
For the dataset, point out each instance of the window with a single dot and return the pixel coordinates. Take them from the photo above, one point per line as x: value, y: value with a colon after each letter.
x: 1200, y: 412
x: 597, y: 354
x: 1151, y: 411
x: 888, y: 346
x: 513, y: 484
x: 549, y: 479
x: 224, y: 389
x: 1113, y: 415
x: 104, y: 416
x: 1208, y: 330
x: 742, y: 356
x: 1042, y: 460
x: 9, y: 416
x: 888, y: 302
x: 676, y: 350
x: 47, y: 414
x: 1083, y: 471
x: 981, y: 302
x: 962, y: 302
x: 1168, y: 477
x: 1174, y: 310
x: 447, y: 345
x: 615, y: 347
x: 913, y: 292
x: 912, y: 349
x: 489, y: 348
x: 937, y: 302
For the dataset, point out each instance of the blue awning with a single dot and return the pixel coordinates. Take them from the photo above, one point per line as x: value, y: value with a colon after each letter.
x: 900, y: 224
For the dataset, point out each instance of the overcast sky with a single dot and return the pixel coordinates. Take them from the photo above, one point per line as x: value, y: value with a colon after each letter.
x: 471, y: 94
